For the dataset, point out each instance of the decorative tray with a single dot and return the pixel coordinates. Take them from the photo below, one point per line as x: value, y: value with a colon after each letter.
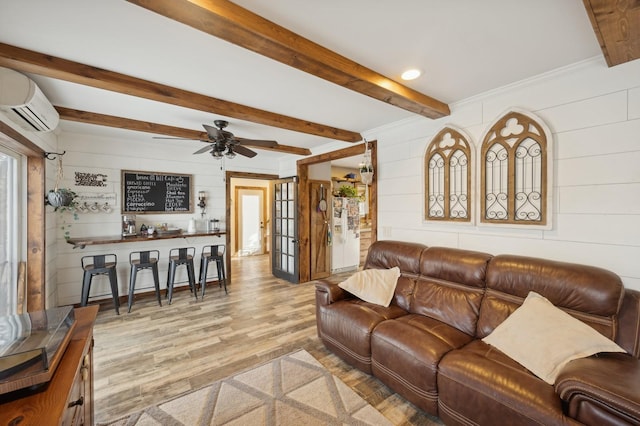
x: 169, y: 231
x: 31, y: 344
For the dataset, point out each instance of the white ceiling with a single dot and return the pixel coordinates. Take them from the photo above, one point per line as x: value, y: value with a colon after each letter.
x: 463, y: 47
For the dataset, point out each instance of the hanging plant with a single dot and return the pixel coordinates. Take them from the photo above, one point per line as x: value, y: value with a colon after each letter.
x: 366, y: 168
x: 62, y: 199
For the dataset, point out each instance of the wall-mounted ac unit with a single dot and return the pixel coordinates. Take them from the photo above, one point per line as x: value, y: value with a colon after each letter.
x: 24, y: 103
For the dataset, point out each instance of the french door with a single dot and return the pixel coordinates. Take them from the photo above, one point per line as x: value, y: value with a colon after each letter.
x: 285, y: 256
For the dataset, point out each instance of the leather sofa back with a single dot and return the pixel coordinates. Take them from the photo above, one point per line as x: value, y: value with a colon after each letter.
x: 453, y: 286
x: 591, y: 294
x: 629, y: 323
x: 450, y: 286
x: 387, y: 254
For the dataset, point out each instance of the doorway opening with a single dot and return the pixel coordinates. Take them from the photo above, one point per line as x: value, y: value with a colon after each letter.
x: 251, y: 220
x: 247, y: 215
x: 309, y: 200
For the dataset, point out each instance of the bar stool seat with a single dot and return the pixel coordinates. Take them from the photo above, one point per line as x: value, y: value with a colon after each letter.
x: 139, y: 261
x: 212, y: 253
x: 177, y: 257
x: 103, y: 264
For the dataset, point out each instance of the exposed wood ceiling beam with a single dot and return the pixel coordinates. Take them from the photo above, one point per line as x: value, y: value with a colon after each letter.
x: 230, y: 22
x: 160, y: 129
x: 617, y: 27
x: 62, y: 69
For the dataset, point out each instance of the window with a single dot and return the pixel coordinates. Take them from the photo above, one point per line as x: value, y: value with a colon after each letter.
x: 448, y: 177
x: 9, y: 233
x: 513, y: 167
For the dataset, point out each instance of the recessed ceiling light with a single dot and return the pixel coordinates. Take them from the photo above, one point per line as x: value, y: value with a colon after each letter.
x: 411, y: 74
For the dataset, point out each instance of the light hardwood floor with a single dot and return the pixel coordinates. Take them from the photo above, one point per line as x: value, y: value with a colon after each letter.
x: 155, y: 353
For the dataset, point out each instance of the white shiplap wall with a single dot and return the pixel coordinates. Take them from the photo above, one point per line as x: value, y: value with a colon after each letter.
x: 593, y: 113
x: 86, y: 152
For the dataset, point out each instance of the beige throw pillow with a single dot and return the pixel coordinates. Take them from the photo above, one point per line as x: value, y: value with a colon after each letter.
x: 543, y: 338
x: 373, y: 285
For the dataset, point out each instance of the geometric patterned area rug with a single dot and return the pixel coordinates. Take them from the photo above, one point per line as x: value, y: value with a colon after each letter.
x: 294, y: 389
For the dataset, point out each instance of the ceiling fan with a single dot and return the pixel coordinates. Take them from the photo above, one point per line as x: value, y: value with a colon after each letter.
x: 223, y: 143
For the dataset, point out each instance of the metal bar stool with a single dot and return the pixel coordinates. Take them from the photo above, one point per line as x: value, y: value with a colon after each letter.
x: 103, y: 264
x: 140, y: 260
x: 213, y: 253
x: 177, y: 257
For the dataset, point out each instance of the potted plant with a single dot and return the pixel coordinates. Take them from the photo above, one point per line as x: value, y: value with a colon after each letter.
x: 63, y: 200
x: 347, y: 191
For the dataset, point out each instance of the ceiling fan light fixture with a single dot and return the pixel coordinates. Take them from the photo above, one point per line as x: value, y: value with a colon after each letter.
x: 230, y: 154
x: 411, y: 74
x: 216, y: 154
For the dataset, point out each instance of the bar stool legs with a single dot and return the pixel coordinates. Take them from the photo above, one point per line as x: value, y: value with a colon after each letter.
x: 103, y: 264
x: 140, y: 260
x: 177, y: 257
x: 212, y: 253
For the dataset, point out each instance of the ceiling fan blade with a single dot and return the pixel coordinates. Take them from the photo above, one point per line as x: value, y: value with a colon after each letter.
x: 213, y: 132
x: 255, y: 142
x: 205, y: 149
x: 239, y: 149
x: 177, y: 139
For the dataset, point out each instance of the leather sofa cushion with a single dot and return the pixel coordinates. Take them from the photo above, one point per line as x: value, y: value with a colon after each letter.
x: 478, y: 384
x: 405, y: 353
x: 591, y: 294
x: 452, y: 304
x: 387, y: 254
x: 345, y: 327
x: 450, y: 286
x: 463, y: 267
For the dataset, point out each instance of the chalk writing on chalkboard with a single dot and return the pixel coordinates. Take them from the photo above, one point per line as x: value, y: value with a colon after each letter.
x: 151, y: 192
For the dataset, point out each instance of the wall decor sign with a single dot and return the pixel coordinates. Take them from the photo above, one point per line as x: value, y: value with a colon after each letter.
x: 90, y: 179
x: 156, y: 192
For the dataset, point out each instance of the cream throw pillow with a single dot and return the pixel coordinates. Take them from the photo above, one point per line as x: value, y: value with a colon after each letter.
x: 543, y: 338
x: 373, y: 285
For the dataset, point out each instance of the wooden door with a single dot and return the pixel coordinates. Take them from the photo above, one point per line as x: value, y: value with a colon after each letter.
x: 319, y: 224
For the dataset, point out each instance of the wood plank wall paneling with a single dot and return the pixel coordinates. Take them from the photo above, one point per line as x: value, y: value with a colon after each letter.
x: 593, y: 113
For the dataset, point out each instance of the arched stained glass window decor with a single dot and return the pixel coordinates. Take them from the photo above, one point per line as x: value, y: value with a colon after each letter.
x: 514, y: 171
x: 448, y: 177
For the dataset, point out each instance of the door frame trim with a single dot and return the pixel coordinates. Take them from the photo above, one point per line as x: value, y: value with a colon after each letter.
x: 304, y: 202
x: 264, y: 211
x: 242, y: 175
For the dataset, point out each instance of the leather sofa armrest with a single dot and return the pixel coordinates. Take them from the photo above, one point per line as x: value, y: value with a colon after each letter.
x: 328, y: 293
x: 602, y: 388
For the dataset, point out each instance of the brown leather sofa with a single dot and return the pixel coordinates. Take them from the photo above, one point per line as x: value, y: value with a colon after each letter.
x: 427, y: 344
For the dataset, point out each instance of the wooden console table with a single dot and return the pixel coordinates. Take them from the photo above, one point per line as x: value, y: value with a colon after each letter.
x: 67, y: 399
x: 79, y: 242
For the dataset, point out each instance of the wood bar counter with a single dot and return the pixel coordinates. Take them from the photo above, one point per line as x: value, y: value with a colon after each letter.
x: 67, y: 399
x: 80, y: 242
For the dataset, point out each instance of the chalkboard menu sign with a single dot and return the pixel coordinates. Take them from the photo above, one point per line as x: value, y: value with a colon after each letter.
x: 151, y: 192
